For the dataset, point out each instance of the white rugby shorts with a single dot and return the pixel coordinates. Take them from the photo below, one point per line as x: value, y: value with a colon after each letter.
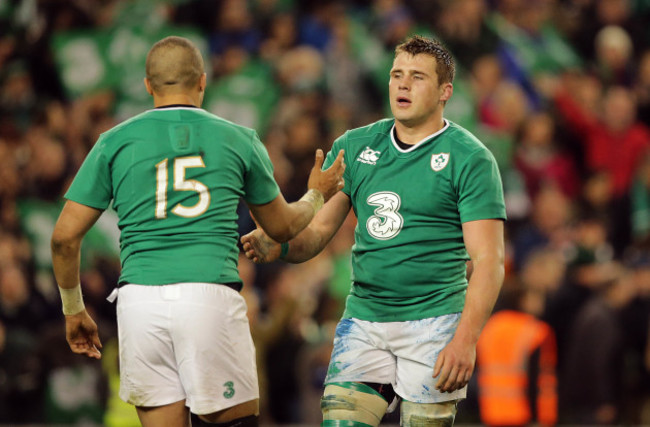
x: 185, y: 341
x: 399, y: 353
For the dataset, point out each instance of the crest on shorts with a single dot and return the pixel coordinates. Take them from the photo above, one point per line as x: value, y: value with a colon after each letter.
x: 439, y: 161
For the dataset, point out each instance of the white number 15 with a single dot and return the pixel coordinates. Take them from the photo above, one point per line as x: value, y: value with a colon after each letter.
x: 180, y: 184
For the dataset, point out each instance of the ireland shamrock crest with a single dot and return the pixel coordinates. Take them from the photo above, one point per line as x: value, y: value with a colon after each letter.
x: 439, y: 161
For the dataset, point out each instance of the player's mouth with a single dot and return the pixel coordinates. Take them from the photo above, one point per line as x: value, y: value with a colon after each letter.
x: 403, y: 101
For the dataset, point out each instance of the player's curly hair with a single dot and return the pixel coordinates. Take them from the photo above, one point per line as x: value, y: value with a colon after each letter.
x: 445, y: 64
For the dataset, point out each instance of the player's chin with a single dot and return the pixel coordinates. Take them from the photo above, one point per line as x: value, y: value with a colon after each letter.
x: 398, y: 109
x: 403, y: 115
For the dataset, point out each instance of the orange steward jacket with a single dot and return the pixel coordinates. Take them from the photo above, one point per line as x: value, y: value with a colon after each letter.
x: 504, y: 354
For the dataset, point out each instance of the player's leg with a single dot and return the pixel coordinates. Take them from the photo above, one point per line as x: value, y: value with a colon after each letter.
x: 359, y: 376
x: 427, y: 414
x: 148, y: 373
x: 417, y: 345
x: 175, y: 414
x: 353, y: 403
x: 215, y: 355
x: 242, y: 415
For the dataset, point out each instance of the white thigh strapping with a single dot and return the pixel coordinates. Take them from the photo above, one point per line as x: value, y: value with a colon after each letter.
x: 185, y: 341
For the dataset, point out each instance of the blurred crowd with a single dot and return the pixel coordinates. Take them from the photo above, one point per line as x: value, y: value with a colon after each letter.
x: 559, y: 90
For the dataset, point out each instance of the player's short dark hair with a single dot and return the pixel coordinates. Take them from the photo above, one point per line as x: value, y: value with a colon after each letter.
x: 445, y: 64
x: 173, y: 63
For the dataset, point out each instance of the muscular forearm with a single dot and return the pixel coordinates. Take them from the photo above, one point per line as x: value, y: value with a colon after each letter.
x: 303, y: 212
x: 65, y: 261
x: 311, y: 241
x: 482, y: 292
x: 282, y: 221
x: 66, y: 257
x: 73, y: 223
x: 262, y: 246
x: 306, y: 245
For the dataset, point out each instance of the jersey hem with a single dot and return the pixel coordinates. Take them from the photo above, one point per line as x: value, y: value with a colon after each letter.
x: 383, y: 319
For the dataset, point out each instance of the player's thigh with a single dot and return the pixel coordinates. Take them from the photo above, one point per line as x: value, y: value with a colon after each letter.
x: 148, y: 374
x: 173, y: 415
x: 214, y: 349
x: 360, y: 354
x: 416, y: 345
x: 244, y: 415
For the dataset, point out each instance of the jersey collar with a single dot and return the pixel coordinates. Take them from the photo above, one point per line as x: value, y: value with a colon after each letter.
x: 162, y: 107
x: 175, y: 107
x: 408, y: 150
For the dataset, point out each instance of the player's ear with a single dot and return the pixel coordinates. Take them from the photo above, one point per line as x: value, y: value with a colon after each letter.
x: 203, y: 81
x: 447, y: 91
x: 148, y: 86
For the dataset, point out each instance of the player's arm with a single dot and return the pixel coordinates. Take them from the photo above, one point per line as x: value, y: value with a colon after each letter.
x: 485, y: 246
x: 260, y: 248
x: 281, y: 220
x: 73, y: 224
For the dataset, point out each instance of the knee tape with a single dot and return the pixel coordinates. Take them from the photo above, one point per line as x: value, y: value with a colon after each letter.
x: 428, y: 414
x: 352, y: 404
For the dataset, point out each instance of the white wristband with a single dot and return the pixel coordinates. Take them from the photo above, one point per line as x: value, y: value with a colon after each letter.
x: 314, y: 198
x: 73, y: 301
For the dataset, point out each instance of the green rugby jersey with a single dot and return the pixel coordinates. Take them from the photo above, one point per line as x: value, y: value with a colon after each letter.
x: 408, y: 260
x: 175, y: 177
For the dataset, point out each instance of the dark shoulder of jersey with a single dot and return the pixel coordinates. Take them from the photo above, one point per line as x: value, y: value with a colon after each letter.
x: 181, y: 115
x: 354, y: 142
x: 464, y: 140
x: 378, y: 128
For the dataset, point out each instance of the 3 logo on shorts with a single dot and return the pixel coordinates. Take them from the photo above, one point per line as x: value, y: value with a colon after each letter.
x: 230, y: 389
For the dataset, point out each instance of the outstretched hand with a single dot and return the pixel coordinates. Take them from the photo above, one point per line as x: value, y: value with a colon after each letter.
x: 260, y: 248
x: 330, y: 180
x: 454, y: 366
x: 82, y: 336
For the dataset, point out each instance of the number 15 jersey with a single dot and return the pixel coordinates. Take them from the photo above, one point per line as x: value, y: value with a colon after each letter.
x: 175, y: 177
x: 409, y: 258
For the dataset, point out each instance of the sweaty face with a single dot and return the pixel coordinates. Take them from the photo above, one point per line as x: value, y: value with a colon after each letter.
x: 415, y: 95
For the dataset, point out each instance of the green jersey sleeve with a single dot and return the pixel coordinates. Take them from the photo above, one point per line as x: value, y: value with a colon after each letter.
x: 260, y: 186
x: 92, y: 185
x: 480, y: 191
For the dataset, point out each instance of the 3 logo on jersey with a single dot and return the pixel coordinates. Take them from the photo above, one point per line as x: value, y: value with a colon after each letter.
x: 369, y: 156
x: 386, y: 222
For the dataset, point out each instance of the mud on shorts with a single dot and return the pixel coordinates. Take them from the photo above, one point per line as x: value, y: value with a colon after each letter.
x: 399, y: 353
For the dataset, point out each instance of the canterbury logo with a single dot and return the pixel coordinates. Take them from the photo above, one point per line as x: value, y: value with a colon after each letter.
x: 369, y: 156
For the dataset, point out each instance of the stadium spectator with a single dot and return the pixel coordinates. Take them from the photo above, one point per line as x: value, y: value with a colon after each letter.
x: 614, y: 141
x: 539, y: 160
x: 594, y: 384
x: 547, y: 226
